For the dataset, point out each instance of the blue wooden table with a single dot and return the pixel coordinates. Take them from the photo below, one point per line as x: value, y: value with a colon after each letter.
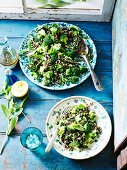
x: 40, y: 101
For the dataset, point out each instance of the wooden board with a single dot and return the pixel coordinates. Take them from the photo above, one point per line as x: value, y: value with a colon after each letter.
x: 119, y: 27
x: 41, y: 101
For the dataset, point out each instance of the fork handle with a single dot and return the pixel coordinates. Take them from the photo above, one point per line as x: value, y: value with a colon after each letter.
x: 95, y: 79
x: 51, y: 142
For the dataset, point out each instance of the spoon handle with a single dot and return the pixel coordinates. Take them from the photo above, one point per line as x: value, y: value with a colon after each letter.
x: 50, y: 144
x: 95, y: 79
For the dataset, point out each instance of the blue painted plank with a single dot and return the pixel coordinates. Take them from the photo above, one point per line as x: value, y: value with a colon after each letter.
x: 37, y: 111
x: 12, y: 28
x: 43, y: 100
x: 84, y: 89
x: 23, y: 159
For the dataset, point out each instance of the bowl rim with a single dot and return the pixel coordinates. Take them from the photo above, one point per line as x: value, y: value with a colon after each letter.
x: 82, y: 79
x: 72, y: 97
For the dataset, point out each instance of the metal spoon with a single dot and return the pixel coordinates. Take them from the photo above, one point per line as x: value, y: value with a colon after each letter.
x: 51, y: 142
x: 83, y: 50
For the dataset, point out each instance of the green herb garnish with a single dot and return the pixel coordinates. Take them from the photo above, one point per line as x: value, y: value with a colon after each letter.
x: 12, y: 111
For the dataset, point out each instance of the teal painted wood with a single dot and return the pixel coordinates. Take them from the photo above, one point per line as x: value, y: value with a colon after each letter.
x: 21, y: 28
x: 37, y: 111
x: 41, y: 101
x: 120, y: 70
x: 25, y: 160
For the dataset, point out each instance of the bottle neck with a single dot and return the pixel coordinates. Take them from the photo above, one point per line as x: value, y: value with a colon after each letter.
x: 3, y: 42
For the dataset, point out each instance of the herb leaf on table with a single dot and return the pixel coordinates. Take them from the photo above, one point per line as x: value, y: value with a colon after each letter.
x: 12, y: 124
x: 12, y: 111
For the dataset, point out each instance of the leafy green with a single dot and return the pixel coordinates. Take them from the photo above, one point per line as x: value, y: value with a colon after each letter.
x: 12, y: 124
x: 47, y: 40
x: 5, y: 111
x: 11, y: 111
x: 56, y: 59
x: 22, y: 103
x: 74, y: 126
x: 78, y: 128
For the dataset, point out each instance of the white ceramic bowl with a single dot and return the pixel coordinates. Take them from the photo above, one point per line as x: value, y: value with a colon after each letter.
x: 103, y: 121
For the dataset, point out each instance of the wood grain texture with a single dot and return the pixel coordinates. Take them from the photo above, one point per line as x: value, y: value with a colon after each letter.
x: 22, y: 159
x: 37, y: 111
x: 21, y: 28
x: 40, y: 101
x: 120, y: 70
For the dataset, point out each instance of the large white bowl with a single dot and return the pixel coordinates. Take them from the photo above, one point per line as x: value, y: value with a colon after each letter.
x: 103, y: 121
x: 24, y: 61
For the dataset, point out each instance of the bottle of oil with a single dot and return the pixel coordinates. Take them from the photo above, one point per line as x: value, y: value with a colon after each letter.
x: 8, y: 56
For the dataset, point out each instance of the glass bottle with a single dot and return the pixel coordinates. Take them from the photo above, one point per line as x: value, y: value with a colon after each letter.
x: 8, y: 56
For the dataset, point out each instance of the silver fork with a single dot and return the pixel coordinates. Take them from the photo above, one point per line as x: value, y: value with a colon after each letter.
x: 83, y: 50
x: 51, y: 142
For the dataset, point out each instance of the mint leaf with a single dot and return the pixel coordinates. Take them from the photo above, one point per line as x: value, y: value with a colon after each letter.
x: 5, y: 111
x: 18, y: 112
x: 10, y: 104
x: 12, y: 124
x: 22, y: 103
x: 2, y: 92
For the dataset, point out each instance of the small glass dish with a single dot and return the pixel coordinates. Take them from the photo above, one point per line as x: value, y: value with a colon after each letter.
x: 31, y: 138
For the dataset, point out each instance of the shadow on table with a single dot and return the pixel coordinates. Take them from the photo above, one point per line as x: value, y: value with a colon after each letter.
x: 40, y: 153
x: 104, y: 160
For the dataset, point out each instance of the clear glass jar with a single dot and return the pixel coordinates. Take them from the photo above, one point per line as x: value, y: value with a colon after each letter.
x: 8, y: 56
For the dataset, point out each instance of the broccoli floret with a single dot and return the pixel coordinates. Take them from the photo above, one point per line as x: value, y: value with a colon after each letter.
x: 71, y: 53
x: 53, y: 30
x: 61, y: 130
x: 47, y: 40
x: 75, y: 126
x: 68, y: 72
x: 35, y: 75
x: 48, y: 74
x: 92, y: 116
x: 37, y: 38
x: 81, y: 106
x: 53, y: 58
x: 52, y: 51
x: 30, y: 47
x: 83, y: 69
x: 93, y: 134
x: 76, y: 71
x: 39, y: 49
x: 46, y: 81
x: 74, y: 145
x: 59, y: 67
x: 74, y: 79
x: 87, y: 128
x: 76, y: 30
x: 64, y: 38
x: 64, y: 80
x: 44, y: 48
